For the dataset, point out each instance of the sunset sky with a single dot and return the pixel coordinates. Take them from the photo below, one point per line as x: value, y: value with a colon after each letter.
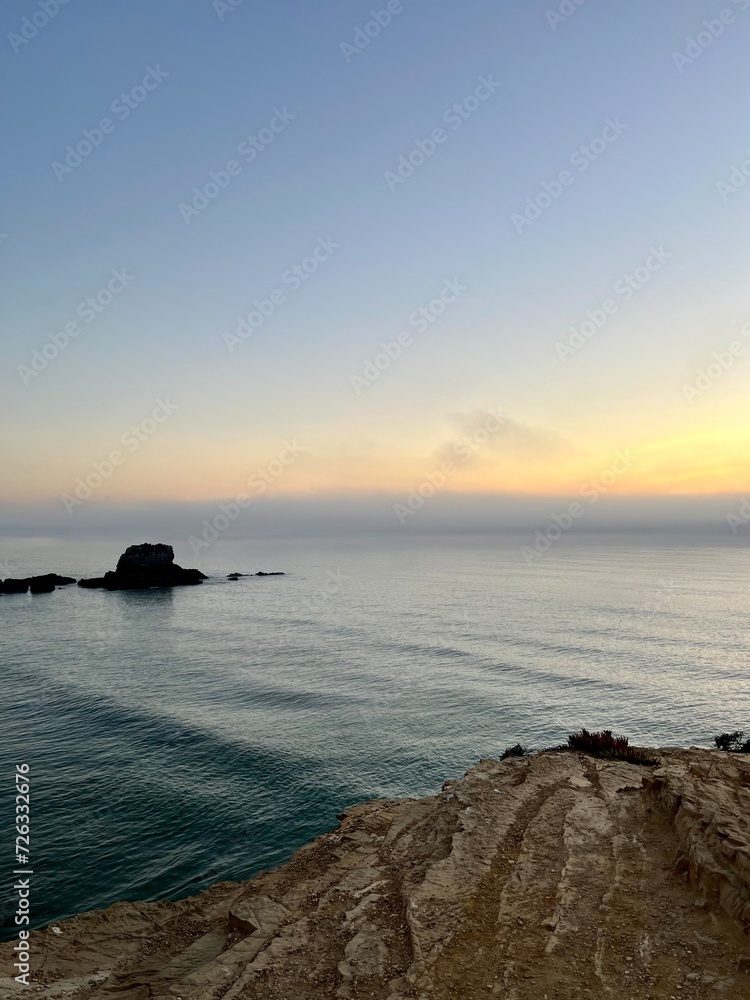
x: 592, y: 116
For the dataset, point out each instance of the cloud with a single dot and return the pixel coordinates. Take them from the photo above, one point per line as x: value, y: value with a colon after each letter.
x: 512, y: 440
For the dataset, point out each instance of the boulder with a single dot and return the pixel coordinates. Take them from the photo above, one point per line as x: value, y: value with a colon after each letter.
x: 277, y: 573
x: 14, y: 586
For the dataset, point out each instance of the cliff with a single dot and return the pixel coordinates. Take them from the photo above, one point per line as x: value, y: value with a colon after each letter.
x: 558, y: 876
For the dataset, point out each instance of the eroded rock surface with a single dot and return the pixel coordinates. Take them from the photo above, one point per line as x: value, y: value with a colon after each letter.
x: 556, y: 876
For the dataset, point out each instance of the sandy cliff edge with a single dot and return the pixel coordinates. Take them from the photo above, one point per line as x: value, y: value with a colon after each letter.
x: 557, y: 875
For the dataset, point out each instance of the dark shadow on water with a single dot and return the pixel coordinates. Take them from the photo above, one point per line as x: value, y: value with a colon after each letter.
x: 155, y: 597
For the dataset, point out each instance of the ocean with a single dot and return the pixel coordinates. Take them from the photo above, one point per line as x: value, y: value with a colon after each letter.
x: 177, y: 738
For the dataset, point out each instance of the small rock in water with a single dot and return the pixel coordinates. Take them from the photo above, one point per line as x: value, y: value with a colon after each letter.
x: 36, y: 584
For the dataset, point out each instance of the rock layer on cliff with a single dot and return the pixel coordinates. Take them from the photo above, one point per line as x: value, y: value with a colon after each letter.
x: 556, y: 876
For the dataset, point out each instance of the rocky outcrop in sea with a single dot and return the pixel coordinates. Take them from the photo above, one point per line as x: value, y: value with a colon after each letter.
x: 144, y: 566
x: 140, y: 567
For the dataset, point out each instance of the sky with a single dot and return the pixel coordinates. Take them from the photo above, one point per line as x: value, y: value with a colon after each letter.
x: 353, y: 253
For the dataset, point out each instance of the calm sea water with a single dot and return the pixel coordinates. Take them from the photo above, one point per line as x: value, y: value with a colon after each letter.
x: 178, y: 738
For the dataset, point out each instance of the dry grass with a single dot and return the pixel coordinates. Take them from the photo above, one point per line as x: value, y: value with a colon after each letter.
x: 610, y: 747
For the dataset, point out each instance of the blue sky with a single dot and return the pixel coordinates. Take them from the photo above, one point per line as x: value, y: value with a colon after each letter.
x: 226, y: 74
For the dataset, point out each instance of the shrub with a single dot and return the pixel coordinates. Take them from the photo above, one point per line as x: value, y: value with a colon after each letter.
x: 732, y: 742
x: 610, y: 747
x: 516, y: 751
